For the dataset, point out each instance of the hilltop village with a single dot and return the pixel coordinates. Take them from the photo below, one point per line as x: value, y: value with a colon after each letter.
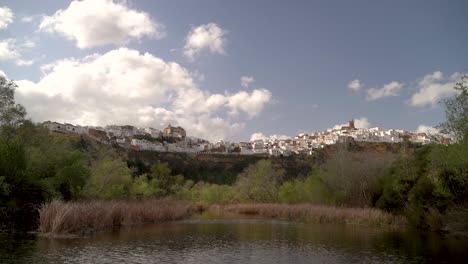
x: 175, y: 139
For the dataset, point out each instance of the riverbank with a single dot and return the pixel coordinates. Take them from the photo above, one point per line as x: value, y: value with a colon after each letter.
x: 311, y: 213
x: 59, y: 218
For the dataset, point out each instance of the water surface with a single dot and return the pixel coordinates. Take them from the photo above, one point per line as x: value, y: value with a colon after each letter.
x: 238, y: 241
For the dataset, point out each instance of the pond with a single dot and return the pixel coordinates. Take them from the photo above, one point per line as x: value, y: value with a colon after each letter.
x: 238, y: 241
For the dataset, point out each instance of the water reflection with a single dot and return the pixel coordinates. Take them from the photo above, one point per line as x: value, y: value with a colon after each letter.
x: 238, y: 241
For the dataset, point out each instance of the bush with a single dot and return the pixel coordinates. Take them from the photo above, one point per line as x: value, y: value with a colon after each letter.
x: 308, y: 190
x: 110, y: 178
x: 259, y: 182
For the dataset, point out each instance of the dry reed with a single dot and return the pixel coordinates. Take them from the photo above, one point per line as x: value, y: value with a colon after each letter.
x: 87, y: 217
x: 317, y: 213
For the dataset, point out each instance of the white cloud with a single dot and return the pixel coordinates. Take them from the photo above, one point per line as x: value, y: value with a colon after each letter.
x: 10, y: 50
x: 205, y: 37
x: 355, y: 85
x: 2, y: 73
x: 252, y: 104
x: 427, y: 129
x: 33, y: 19
x: 6, y: 17
x: 29, y: 44
x: 246, y: 81
x: 124, y: 86
x: 21, y: 62
x: 257, y: 136
x: 261, y: 136
x: 28, y: 19
x: 389, y: 89
x: 432, y: 88
x: 362, y: 122
x: 195, y: 100
x: 94, y: 23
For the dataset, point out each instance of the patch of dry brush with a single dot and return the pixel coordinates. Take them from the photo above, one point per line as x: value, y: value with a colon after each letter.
x: 87, y: 217
x: 318, y: 213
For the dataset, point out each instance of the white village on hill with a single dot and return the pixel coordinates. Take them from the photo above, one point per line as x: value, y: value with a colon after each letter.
x: 175, y: 139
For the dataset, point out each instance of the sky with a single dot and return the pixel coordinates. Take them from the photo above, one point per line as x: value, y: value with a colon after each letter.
x: 234, y: 70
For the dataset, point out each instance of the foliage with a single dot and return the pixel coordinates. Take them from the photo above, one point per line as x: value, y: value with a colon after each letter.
x: 425, y: 186
x: 12, y: 115
x: 110, y: 178
x: 163, y: 181
x: 34, y: 166
x: 448, y: 167
x: 309, y: 190
x: 259, y: 182
x: 456, y: 111
x: 353, y: 178
x: 207, y: 193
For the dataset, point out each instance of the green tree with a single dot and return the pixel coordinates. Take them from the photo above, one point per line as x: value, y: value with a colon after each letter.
x: 12, y: 115
x: 309, y: 190
x: 259, y: 182
x: 456, y: 112
x: 163, y: 182
x: 141, y: 187
x: 110, y: 178
x: 448, y: 168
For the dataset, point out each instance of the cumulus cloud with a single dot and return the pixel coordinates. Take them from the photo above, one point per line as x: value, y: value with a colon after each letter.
x: 124, y: 86
x: 427, y: 129
x: 257, y: 136
x: 355, y: 85
x: 389, y: 89
x: 362, y: 122
x: 252, y: 104
x: 6, y: 17
x: 432, y: 88
x: 261, y: 136
x: 246, y: 81
x: 10, y: 50
x: 94, y: 23
x: 209, y: 37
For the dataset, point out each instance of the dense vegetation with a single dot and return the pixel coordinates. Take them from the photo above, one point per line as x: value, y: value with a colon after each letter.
x: 428, y: 185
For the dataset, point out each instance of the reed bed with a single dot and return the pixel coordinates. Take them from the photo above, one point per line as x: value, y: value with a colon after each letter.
x: 87, y: 217
x: 316, y: 213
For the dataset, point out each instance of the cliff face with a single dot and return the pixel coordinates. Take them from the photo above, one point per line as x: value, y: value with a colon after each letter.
x: 221, y: 169
x: 366, y: 148
x: 224, y: 169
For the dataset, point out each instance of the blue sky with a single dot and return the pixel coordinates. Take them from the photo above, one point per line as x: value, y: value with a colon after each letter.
x: 302, y: 56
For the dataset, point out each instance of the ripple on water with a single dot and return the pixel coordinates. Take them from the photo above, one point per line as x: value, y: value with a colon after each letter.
x: 237, y: 241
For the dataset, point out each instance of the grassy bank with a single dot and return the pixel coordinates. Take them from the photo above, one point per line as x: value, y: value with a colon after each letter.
x: 314, y: 213
x: 87, y: 217
x: 59, y: 218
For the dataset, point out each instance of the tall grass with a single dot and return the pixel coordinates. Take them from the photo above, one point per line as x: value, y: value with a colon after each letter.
x: 316, y: 213
x: 87, y: 217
